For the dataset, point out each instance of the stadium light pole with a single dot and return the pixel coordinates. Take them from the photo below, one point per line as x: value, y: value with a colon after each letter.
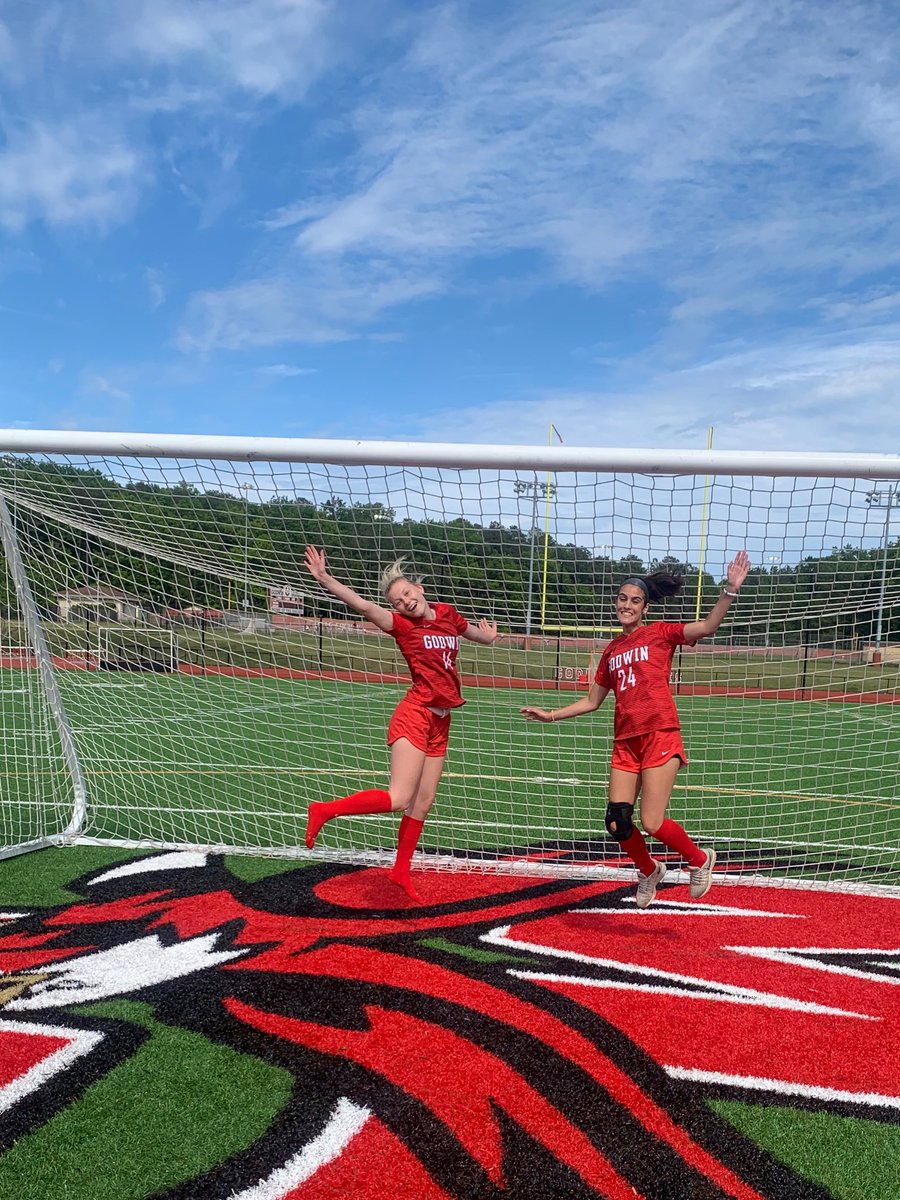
x: 378, y: 518
x: 605, y: 549
x: 774, y: 559
x: 247, y: 488
x: 535, y: 489
x: 884, y: 498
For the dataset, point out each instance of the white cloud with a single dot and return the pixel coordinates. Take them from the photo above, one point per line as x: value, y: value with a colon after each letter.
x: 93, y: 384
x: 325, y: 306
x: 285, y: 370
x: 66, y: 174
x: 263, y: 312
x: 825, y: 394
x: 868, y: 307
x: 85, y: 80
x: 727, y: 151
x: 263, y: 47
x: 155, y: 288
x: 9, y: 66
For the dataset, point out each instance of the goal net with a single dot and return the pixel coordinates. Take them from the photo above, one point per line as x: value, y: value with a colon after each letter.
x: 173, y: 677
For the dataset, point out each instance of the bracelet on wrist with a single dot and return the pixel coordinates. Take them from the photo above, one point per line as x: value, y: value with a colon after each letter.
x: 733, y: 595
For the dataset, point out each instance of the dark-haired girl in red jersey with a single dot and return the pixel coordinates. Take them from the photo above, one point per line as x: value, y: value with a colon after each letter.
x: 647, y: 748
x: 428, y: 635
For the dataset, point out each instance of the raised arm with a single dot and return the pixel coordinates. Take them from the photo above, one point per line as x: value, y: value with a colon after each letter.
x: 485, y: 632
x: 317, y: 567
x: 737, y: 573
x: 586, y: 704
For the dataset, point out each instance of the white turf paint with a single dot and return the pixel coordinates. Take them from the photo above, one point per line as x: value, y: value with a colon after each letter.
x: 80, y: 1041
x: 344, y: 1124
x: 793, y: 956
x: 686, y: 909
x: 783, y: 1087
x: 743, y: 996
x: 180, y: 860
x: 105, y: 683
x: 119, y: 970
x: 713, y: 990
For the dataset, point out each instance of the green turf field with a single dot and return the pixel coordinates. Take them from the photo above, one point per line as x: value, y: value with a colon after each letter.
x: 784, y: 787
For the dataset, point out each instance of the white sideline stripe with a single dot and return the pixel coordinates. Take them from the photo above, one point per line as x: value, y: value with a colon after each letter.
x: 782, y: 1087
x: 106, y: 683
x: 81, y: 1041
x: 752, y: 793
x: 344, y: 1124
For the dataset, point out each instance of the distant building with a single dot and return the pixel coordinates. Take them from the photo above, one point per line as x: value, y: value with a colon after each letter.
x: 99, y: 603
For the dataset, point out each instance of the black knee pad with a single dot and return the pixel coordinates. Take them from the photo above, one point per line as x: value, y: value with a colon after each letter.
x: 619, y: 825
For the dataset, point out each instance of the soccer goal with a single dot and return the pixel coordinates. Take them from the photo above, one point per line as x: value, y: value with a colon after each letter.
x: 236, y: 691
x: 138, y: 650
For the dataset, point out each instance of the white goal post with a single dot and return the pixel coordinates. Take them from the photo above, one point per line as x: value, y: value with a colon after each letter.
x: 171, y: 676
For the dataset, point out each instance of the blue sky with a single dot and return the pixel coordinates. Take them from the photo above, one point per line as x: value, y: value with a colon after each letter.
x: 454, y: 222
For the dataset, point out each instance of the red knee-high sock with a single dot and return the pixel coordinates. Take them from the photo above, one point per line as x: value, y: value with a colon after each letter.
x: 672, y: 835
x: 636, y: 849
x: 374, y: 800
x: 404, y: 825
x: 407, y: 840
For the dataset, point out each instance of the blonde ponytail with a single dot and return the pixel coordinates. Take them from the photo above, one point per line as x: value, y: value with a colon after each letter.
x: 394, y: 572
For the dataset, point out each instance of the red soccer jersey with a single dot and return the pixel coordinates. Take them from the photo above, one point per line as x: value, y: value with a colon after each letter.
x: 636, y: 667
x: 430, y: 649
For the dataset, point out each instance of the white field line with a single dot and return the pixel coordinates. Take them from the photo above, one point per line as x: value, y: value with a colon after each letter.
x: 211, y: 768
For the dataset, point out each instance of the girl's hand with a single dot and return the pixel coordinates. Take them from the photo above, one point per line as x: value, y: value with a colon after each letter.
x: 489, y: 629
x: 738, y: 570
x: 537, y: 714
x: 315, y: 563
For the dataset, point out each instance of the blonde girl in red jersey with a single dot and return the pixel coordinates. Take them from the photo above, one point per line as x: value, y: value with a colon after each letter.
x: 427, y: 634
x: 647, y: 748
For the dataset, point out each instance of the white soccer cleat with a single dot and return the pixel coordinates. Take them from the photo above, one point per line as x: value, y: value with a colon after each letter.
x: 647, y: 884
x: 701, y: 877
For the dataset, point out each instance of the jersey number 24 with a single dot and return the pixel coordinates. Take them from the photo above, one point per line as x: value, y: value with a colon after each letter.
x: 626, y: 680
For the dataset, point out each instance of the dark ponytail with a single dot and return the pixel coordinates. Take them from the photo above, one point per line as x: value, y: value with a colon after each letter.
x: 657, y: 585
x: 661, y: 584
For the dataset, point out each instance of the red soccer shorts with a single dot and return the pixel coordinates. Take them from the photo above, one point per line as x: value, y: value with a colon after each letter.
x: 636, y: 754
x: 426, y: 730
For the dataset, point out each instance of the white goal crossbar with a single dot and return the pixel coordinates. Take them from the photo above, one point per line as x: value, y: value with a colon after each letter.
x: 449, y: 454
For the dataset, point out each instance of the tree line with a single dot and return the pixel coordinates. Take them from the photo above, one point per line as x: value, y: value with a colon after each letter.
x: 185, y: 545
